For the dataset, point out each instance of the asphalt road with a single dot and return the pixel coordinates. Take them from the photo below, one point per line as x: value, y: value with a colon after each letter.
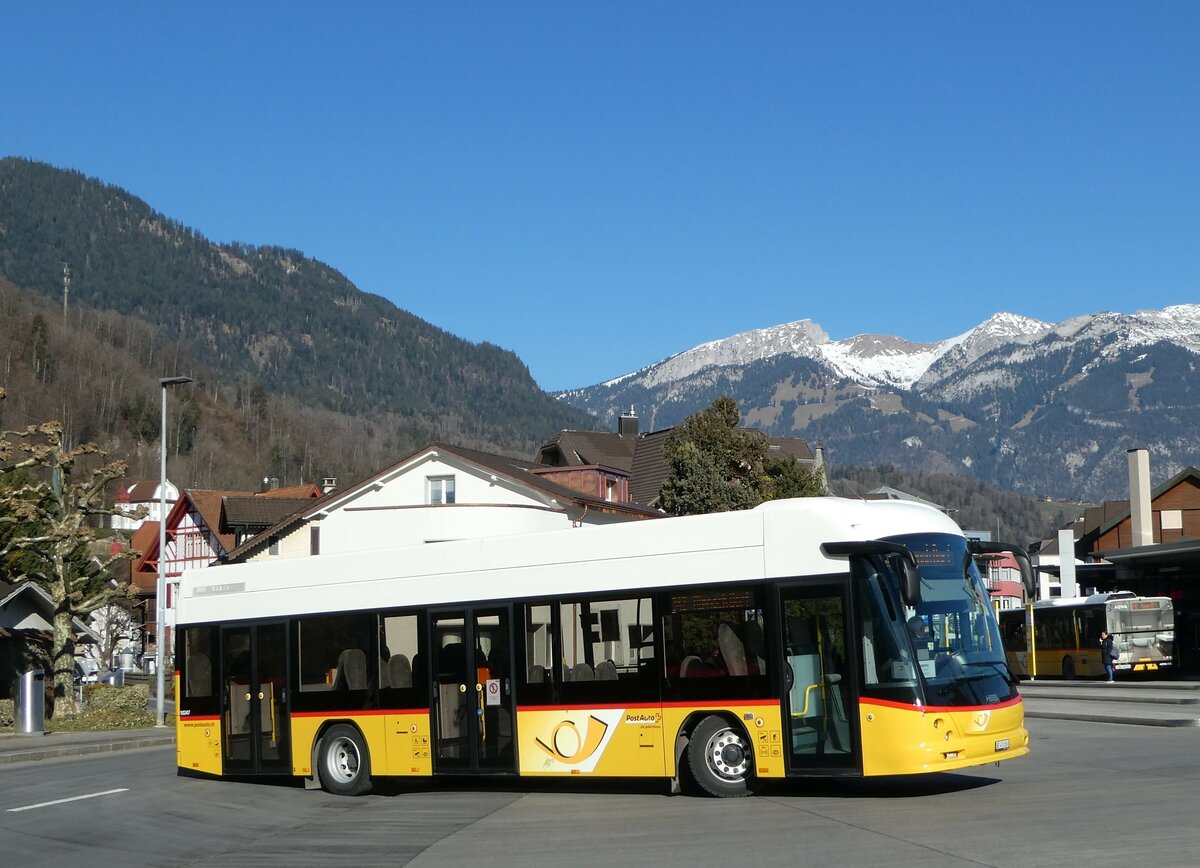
x: 1091, y: 794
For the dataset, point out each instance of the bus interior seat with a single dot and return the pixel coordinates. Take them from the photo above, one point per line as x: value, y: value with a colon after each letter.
x: 606, y: 670
x: 803, y: 657
x: 399, y: 671
x: 566, y: 673
x: 537, y: 674
x: 732, y: 650
x: 199, y: 675
x: 689, y: 666
x: 451, y: 663
x: 756, y: 645
x: 351, y: 670
x: 582, y: 672
x: 800, y: 637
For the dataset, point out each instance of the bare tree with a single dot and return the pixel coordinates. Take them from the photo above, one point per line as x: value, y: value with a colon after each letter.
x: 116, y: 625
x: 45, y: 532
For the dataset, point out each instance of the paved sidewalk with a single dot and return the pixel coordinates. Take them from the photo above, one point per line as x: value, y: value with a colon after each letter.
x: 31, y: 748
x: 1135, y: 703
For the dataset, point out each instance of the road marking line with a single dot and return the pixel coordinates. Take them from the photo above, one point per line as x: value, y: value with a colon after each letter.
x: 72, y: 799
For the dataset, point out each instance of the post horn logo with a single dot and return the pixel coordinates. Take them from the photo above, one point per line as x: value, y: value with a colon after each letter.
x: 568, y: 746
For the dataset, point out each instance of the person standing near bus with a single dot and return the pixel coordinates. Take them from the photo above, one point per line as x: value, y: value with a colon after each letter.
x: 1108, y: 654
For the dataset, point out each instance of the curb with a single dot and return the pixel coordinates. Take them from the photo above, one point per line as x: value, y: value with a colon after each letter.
x: 1159, y: 700
x: 1104, y: 718
x: 37, y: 754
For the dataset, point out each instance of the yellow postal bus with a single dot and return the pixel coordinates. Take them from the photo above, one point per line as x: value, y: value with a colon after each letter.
x: 1067, y: 635
x: 814, y: 637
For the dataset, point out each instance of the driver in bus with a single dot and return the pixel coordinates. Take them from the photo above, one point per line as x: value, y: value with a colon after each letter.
x: 919, y: 631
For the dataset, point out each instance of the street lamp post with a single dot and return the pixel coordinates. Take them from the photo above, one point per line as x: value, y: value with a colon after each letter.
x: 160, y: 596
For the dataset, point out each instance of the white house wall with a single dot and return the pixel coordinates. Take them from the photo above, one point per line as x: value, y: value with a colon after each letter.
x: 191, y: 546
x: 396, y: 513
x: 474, y: 486
x: 153, y: 507
x: 21, y: 618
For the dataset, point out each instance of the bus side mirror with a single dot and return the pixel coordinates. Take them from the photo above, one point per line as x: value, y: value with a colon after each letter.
x: 910, y: 579
x: 1026, y: 573
x: 900, y: 558
x: 978, y: 547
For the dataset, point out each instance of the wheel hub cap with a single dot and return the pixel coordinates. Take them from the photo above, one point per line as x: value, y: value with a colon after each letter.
x: 727, y: 755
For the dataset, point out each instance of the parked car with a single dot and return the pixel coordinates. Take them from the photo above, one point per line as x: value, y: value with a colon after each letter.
x: 87, y: 671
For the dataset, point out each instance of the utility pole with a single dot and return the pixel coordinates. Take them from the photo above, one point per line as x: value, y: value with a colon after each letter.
x: 66, y: 288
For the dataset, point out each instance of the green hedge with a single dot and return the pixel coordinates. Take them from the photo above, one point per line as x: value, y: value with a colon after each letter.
x: 105, y: 697
x: 8, y: 716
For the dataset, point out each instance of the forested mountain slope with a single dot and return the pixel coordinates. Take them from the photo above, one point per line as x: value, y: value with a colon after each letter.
x: 293, y: 325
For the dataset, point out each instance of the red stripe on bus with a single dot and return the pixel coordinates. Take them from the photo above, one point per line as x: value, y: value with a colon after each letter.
x: 350, y: 712
x: 886, y: 703
x: 184, y: 718
x: 589, y: 706
x: 706, y: 704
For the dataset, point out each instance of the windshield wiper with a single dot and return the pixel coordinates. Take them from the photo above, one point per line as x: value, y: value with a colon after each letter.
x: 1001, y: 668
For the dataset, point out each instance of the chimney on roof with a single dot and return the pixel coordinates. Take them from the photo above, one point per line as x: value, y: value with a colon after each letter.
x: 627, y: 425
x: 328, y: 484
x: 1140, y: 516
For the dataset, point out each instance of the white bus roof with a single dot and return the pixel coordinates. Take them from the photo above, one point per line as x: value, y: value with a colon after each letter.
x: 776, y: 539
x: 1093, y: 599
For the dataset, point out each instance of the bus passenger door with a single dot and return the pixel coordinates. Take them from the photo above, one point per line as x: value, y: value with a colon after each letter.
x: 472, y: 702
x: 254, y: 712
x: 820, y: 701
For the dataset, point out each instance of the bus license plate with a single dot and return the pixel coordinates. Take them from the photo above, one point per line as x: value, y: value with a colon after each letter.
x: 1002, y: 744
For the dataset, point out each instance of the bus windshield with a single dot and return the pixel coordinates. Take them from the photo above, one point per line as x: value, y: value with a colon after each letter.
x: 955, y: 637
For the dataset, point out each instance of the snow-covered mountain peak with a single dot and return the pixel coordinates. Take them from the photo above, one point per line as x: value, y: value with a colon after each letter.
x: 894, y: 362
x: 1010, y: 325
x: 800, y: 338
x: 882, y: 360
x: 1178, y: 324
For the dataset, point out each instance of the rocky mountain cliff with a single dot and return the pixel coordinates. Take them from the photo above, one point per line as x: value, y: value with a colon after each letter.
x: 1040, y: 408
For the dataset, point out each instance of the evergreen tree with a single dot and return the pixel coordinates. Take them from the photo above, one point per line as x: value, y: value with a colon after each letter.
x: 717, y: 467
x: 786, y: 477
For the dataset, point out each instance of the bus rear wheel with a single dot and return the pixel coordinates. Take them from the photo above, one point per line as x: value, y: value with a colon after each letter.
x: 721, y: 758
x: 343, y: 763
x: 1068, y: 669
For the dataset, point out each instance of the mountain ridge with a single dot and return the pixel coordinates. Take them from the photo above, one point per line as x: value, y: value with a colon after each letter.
x: 295, y: 324
x: 989, y: 402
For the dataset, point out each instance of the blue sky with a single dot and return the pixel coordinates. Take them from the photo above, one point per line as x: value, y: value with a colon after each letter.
x: 598, y: 186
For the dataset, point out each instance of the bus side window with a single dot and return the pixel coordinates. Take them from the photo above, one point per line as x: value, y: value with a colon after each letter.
x: 535, y: 679
x: 337, y: 652
x: 607, y: 649
x: 399, y: 658
x: 199, y: 673
x: 715, y: 642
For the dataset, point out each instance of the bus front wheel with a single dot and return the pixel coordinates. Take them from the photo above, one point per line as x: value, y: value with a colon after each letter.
x: 344, y: 764
x: 721, y: 758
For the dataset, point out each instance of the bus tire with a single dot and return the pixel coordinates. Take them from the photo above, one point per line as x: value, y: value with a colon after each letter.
x: 721, y: 758
x: 344, y: 763
x: 1068, y: 669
